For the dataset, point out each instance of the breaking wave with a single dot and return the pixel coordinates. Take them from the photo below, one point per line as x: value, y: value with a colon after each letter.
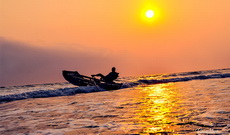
x: 182, y: 79
x: 127, y: 83
x: 50, y: 93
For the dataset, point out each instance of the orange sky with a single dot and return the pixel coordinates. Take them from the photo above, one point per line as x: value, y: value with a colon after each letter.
x: 184, y: 35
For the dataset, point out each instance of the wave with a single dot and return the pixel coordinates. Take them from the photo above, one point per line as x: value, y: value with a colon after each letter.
x: 88, y: 89
x: 50, y: 93
x: 182, y: 79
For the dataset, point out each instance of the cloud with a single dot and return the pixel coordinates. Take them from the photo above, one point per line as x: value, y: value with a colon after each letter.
x: 23, y: 63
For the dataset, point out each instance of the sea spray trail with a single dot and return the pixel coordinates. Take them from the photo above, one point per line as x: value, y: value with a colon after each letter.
x: 154, y: 79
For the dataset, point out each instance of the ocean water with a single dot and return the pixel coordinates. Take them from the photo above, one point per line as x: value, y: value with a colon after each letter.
x: 181, y: 103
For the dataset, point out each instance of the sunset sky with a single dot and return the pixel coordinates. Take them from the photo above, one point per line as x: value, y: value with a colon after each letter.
x: 40, y: 38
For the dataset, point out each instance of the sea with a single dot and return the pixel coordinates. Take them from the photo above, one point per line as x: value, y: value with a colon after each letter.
x: 187, y: 103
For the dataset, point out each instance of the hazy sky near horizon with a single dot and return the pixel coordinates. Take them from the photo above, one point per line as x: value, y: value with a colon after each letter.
x: 39, y: 38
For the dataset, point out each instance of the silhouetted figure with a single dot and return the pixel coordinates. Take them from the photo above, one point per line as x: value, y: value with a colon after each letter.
x: 110, y: 77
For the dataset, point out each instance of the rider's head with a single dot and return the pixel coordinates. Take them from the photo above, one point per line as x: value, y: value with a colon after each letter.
x: 113, y: 69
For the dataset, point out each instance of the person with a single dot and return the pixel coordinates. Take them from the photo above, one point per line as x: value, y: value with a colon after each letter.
x: 110, y: 77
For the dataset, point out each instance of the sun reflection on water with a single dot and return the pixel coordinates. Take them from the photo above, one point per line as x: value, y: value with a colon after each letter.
x: 159, y: 105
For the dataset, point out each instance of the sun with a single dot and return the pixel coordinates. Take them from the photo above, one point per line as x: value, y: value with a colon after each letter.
x: 149, y: 13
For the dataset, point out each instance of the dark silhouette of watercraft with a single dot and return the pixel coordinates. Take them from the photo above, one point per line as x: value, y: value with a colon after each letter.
x: 75, y: 78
